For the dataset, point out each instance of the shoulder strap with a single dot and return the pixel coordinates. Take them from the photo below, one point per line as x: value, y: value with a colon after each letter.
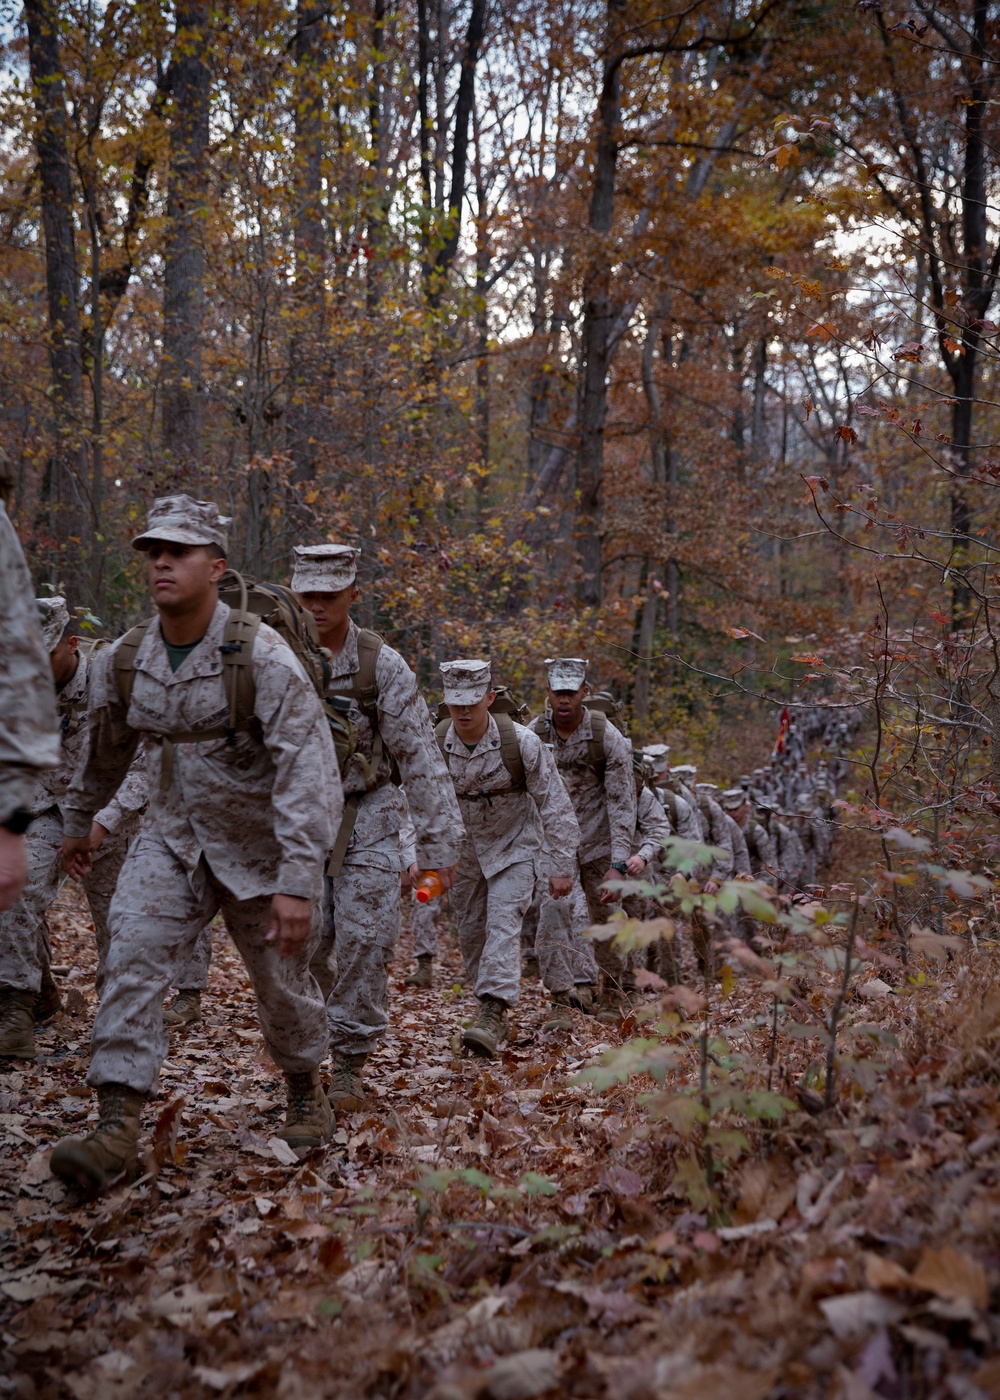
x: 595, y: 744
x: 440, y: 734
x: 510, y: 752
x: 237, y: 665
x: 125, y: 654
x: 365, y: 682
x: 670, y: 806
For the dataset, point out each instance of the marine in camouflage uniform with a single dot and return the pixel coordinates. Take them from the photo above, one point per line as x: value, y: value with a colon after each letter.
x: 240, y: 821
x: 29, y: 735
x: 603, y: 798
x: 28, y: 994
x: 515, y: 831
x: 363, y: 916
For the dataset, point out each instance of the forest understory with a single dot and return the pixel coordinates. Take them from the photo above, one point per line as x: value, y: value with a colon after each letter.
x: 498, y: 1230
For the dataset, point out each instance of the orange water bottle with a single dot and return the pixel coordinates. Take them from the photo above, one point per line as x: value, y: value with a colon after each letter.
x: 428, y: 887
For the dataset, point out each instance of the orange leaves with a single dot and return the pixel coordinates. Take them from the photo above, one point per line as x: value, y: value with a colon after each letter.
x: 911, y: 352
x: 738, y: 633
x: 808, y: 658
x: 826, y: 329
x: 953, y: 346
x: 781, y: 156
x: 845, y: 433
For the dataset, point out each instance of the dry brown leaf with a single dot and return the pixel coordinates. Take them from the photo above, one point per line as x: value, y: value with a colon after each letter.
x: 885, y: 1273
x: 952, y: 1275
x: 724, y: 1383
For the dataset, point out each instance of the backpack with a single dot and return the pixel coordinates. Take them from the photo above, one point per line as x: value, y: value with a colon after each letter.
x: 506, y: 711
x: 251, y: 603
x: 73, y: 712
x: 595, y: 744
x: 604, y: 703
x: 506, y: 703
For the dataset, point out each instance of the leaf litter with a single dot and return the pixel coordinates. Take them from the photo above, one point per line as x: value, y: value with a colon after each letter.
x: 502, y: 1229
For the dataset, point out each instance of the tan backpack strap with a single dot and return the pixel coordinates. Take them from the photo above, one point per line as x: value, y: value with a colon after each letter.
x: 595, y: 745
x: 365, y: 682
x: 237, y: 667
x: 346, y: 831
x: 440, y: 734
x: 125, y: 654
x: 510, y: 752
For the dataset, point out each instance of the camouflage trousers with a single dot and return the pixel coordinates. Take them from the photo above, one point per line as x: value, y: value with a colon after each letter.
x: 489, y: 912
x: 424, y: 927
x: 25, y: 945
x: 158, y: 913
x: 192, y: 965
x: 361, y: 926
x: 565, y: 957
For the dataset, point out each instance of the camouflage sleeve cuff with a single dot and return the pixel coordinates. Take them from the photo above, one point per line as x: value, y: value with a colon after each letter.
x: 76, y: 823
x: 296, y: 880
x: 17, y: 787
x: 110, y: 816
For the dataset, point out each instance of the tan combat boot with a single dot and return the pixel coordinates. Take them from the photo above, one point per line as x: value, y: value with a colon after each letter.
x: 611, y: 1007
x: 347, y: 1090
x: 582, y: 997
x: 488, y: 1029
x: 17, y: 1023
x: 184, y: 1010
x: 308, y: 1119
x: 561, y: 1017
x: 424, y: 974
x: 48, y: 1002
x: 111, y: 1152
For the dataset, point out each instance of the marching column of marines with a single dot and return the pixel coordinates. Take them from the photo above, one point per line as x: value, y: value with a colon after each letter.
x: 286, y: 774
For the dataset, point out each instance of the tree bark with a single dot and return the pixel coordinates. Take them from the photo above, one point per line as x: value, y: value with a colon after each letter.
x: 597, y: 315
x: 184, y: 249
x: 460, y: 139
x: 306, y: 342
x: 65, y: 491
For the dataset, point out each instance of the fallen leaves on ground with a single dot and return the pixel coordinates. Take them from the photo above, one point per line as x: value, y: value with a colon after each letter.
x: 493, y: 1230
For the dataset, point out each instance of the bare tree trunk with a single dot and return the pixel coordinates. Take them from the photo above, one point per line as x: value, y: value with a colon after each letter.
x: 482, y: 331
x: 597, y: 315
x: 306, y: 342
x: 184, y: 249
x: 460, y: 139
x: 377, y: 212
x: 65, y: 489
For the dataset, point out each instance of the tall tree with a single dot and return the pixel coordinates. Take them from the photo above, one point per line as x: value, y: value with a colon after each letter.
x: 306, y: 340
x: 64, y: 491
x: 184, y: 244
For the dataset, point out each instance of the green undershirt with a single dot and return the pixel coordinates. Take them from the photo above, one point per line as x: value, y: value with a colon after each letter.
x: 178, y: 655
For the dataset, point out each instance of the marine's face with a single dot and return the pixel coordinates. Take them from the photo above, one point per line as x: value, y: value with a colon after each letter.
x: 330, y: 610
x: 567, y: 706
x: 64, y: 660
x: 471, y: 721
x: 181, y: 576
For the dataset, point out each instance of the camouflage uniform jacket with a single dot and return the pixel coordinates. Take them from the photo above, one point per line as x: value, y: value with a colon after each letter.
x: 604, y: 806
x: 790, y: 858
x: 652, y: 825
x: 688, y: 824
x: 51, y: 788
x: 716, y: 830
x: 741, y: 856
x: 760, y: 847
x: 264, y: 810
x: 407, y: 737
x: 29, y: 734
x: 504, y: 826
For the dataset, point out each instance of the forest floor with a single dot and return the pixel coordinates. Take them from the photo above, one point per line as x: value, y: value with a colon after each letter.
x: 496, y: 1230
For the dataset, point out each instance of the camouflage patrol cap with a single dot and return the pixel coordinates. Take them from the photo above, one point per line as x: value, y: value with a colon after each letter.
x: 683, y: 770
x: 566, y: 672
x: 324, y: 568
x: 183, y: 520
x: 732, y: 799
x: 53, y: 617
x: 658, y: 755
x: 466, y: 681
